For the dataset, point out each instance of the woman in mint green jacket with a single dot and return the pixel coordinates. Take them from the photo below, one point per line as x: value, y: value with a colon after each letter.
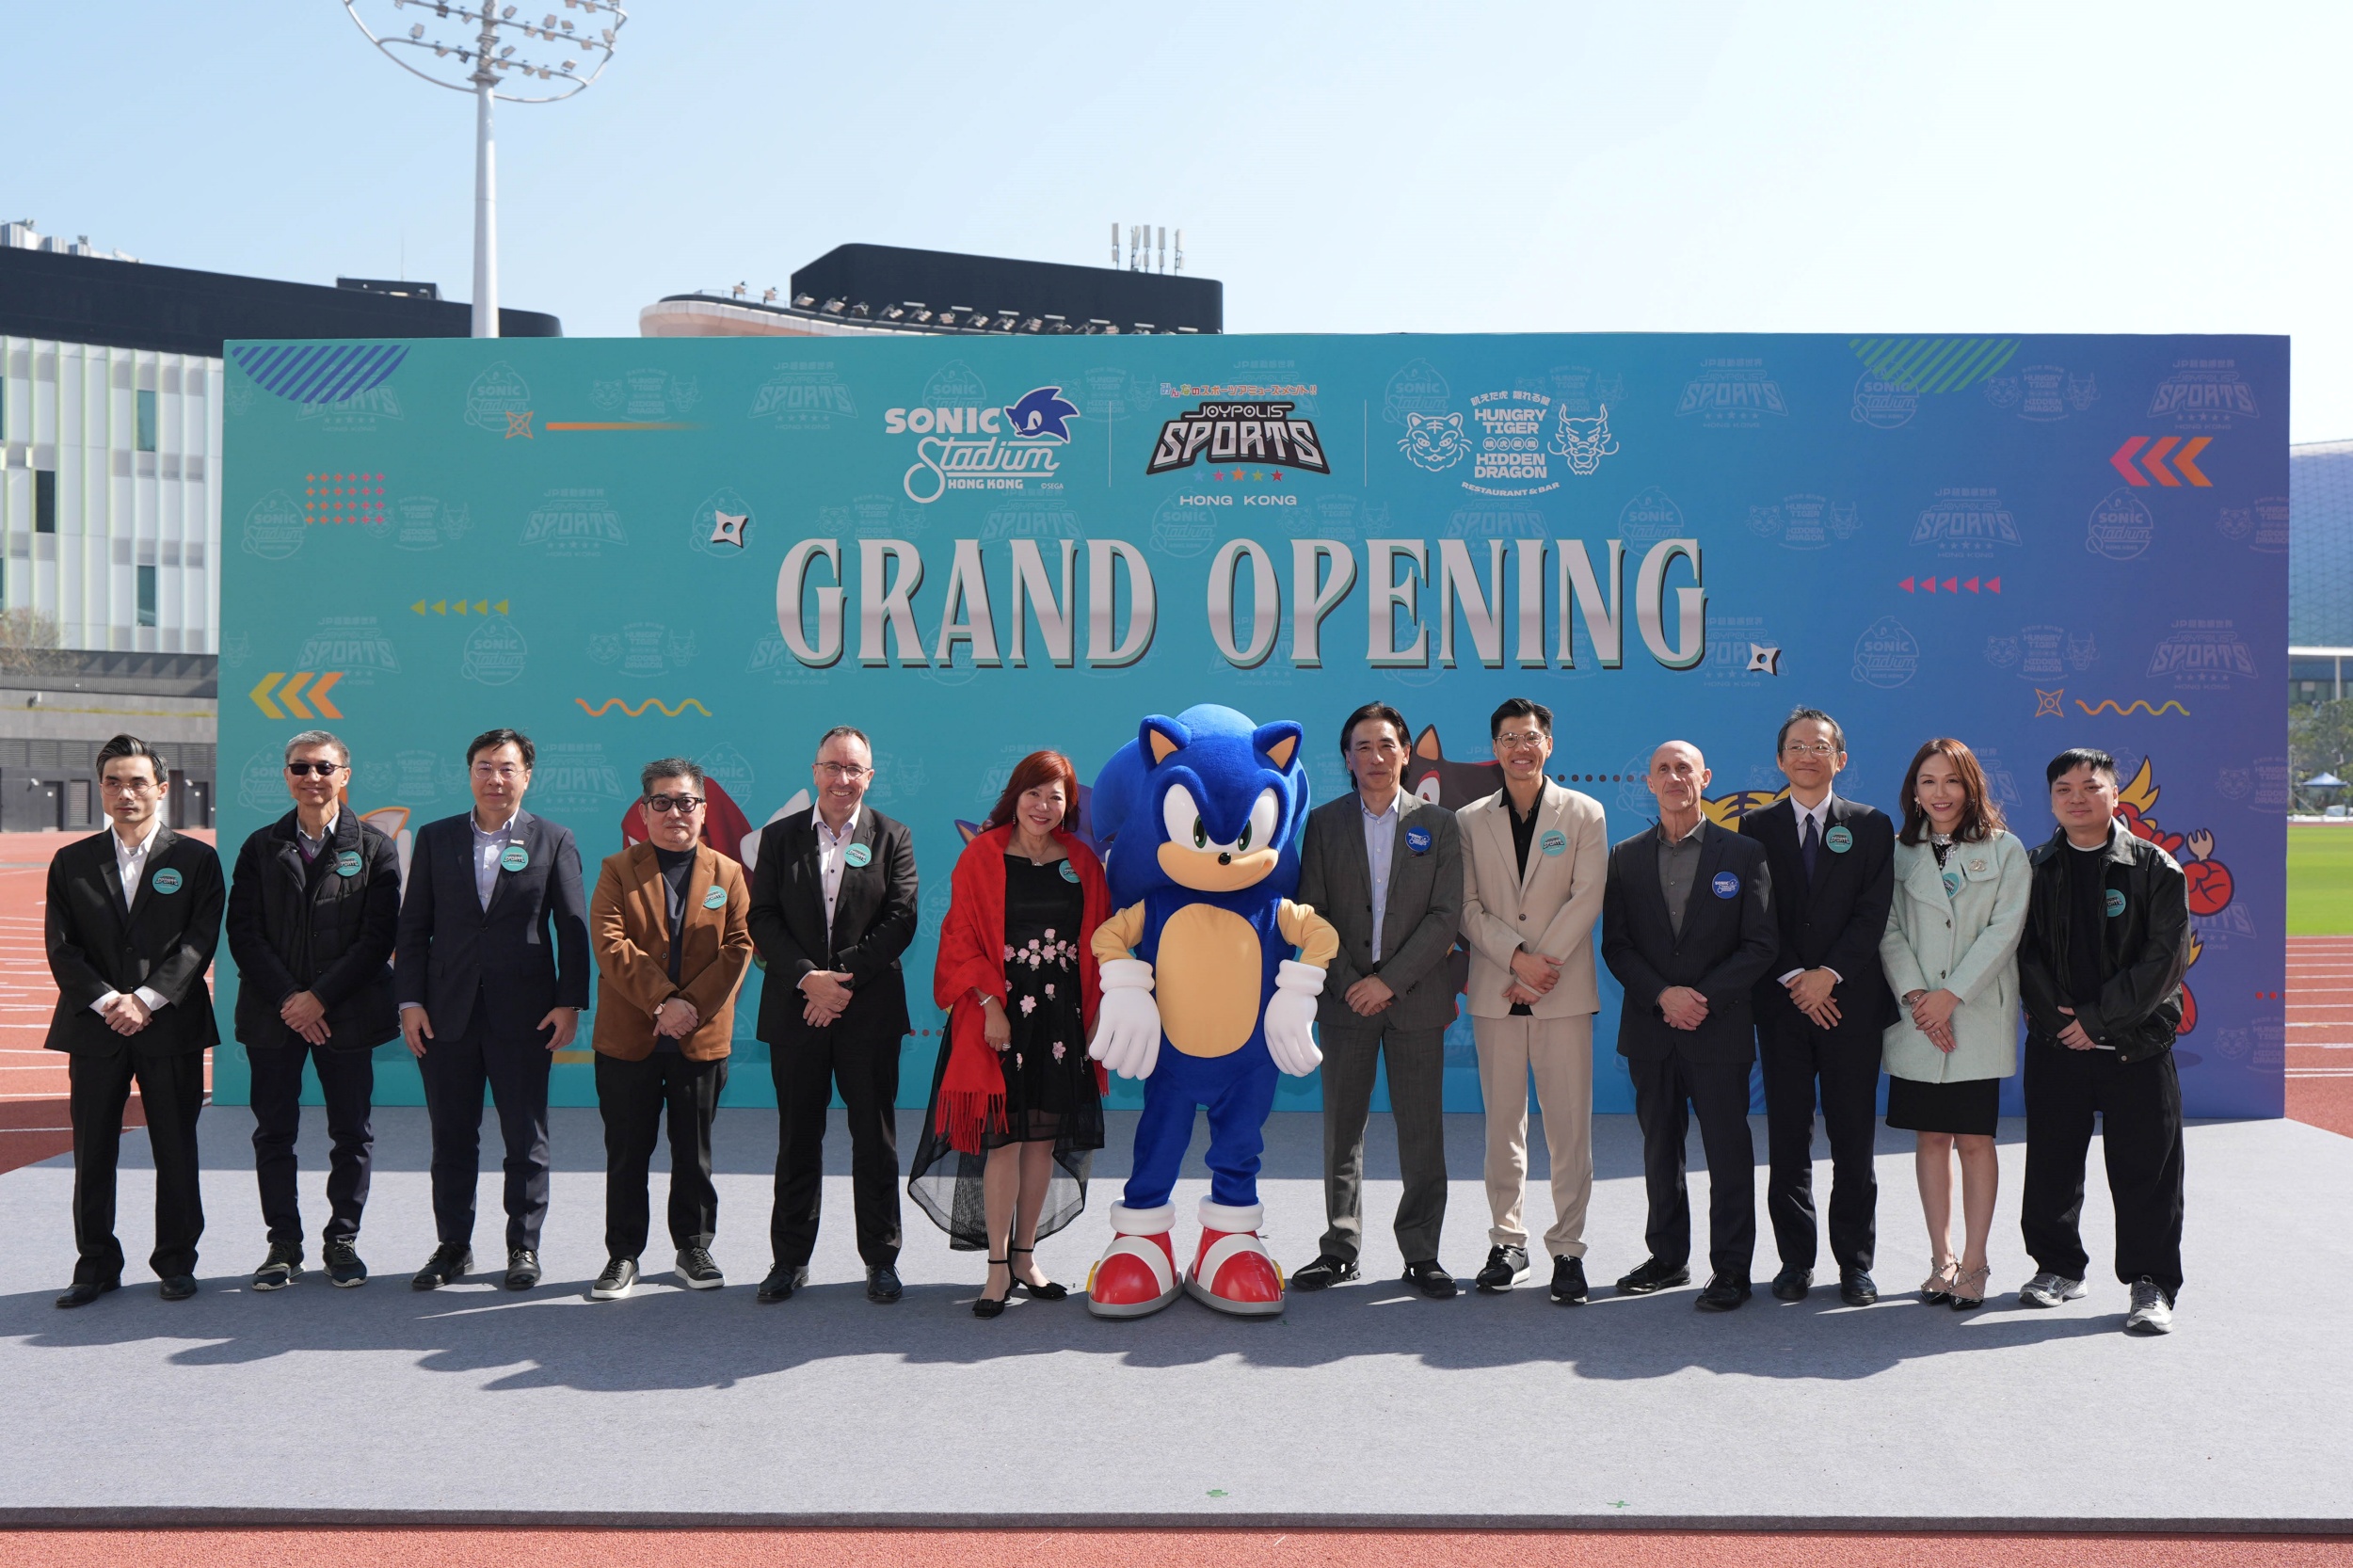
x: 1951, y: 956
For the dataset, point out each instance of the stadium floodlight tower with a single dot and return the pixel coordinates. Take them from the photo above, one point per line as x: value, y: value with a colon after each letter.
x: 489, y: 51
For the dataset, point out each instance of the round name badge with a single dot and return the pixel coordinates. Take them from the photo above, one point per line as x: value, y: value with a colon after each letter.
x: 1952, y: 884
x: 166, y: 881
x: 1418, y: 839
x: 1727, y: 885
x: 347, y: 863
x: 856, y: 855
x: 716, y: 898
x: 1838, y: 839
x: 1554, y: 841
x: 1070, y: 871
x: 2116, y: 903
x: 516, y: 857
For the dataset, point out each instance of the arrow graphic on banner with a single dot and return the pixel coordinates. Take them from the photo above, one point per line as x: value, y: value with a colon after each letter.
x: 1951, y: 584
x: 290, y: 695
x: 458, y: 606
x: 2185, y: 466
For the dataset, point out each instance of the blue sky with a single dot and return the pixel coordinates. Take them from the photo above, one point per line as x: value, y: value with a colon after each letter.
x: 1360, y: 168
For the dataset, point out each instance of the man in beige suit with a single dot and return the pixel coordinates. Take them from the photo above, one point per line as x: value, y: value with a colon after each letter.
x: 1535, y: 858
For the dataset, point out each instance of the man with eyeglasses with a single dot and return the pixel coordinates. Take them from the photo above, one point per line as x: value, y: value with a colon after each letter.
x: 1824, y: 1006
x: 669, y: 920
x: 833, y: 906
x: 313, y: 910
x: 1535, y: 858
x: 133, y: 917
x: 492, y: 970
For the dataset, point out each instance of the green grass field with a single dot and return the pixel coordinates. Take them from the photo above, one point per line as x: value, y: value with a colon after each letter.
x: 2320, y: 880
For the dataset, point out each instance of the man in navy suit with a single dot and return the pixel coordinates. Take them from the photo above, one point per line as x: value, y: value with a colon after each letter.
x: 492, y: 970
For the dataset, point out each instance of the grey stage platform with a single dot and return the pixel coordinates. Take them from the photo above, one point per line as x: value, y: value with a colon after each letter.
x: 1365, y: 1405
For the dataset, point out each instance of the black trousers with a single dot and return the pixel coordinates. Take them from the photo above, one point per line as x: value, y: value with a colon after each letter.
x: 632, y: 1096
x: 1844, y: 1063
x: 1668, y: 1092
x: 864, y: 1063
x: 1416, y: 1060
x: 516, y: 1071
x: 171, y: 1092
x: 2139, y: 1107
x: 347, y: 1082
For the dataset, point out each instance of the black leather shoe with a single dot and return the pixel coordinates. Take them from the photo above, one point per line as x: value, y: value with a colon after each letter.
x: 1722, y: 1294
x: 1506, y: 1267
x: 1568, y: 1281
x: 177, y: 1288
x: 1856, y: 1287
x: 1430, y: 1279
x: 523, y: 1268
x: 882, y: 1284
x: 85, y: 1291
x: 1324, y: 1272
x: 782, y: 1281
x: 1791, y: 1284
x: 1652, y: 1275
x: 449, y: 1263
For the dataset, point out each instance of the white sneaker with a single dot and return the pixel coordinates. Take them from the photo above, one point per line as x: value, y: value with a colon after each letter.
x: 2151, y: 1313
x: 2049, y: 1290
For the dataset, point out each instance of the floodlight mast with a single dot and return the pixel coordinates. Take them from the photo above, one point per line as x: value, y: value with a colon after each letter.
x: 496, y: 73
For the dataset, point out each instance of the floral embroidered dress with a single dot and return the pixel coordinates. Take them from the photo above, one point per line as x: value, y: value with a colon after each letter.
x: 1049, y: 1082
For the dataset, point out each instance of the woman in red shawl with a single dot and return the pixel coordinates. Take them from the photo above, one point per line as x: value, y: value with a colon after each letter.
x: 1017, y: 1104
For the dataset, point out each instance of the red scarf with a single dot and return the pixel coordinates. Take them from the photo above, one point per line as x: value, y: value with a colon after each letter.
x: 972, y: 956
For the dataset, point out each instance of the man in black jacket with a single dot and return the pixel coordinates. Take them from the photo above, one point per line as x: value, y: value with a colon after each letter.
x: 2100, y: 973
x: 1823, y: 1005
x: 1688, y: 928
x: 491, y: 973
x: 312, y: 913
x: 133, y: 917
x: 833, y: 907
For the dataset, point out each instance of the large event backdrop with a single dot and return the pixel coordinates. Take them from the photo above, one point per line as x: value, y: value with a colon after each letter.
x: 975, y: 547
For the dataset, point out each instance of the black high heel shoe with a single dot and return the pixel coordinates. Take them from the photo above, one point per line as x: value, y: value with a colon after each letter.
x: 1050, y: 1291
x: 994, y: 1307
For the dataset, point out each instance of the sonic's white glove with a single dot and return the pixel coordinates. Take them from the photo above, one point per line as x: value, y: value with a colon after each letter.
x: 1290, y: 1018
x: 1127, y: 1023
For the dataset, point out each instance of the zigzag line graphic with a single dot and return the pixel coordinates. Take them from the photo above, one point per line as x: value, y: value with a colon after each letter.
x: 611, y: 702
x: 2108, y: 705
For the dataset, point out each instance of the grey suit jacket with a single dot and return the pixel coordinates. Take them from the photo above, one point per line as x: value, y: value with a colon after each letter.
x: 1418, y: 924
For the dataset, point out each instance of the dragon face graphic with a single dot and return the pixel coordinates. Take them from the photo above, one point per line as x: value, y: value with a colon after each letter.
x: 1433, y: 443
x: 1584, y: 441
x: 1043, y: 415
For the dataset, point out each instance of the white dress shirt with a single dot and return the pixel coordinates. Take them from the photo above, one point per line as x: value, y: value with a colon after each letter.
x: 131, y: 860
x: 1380, y: 846
x: 1820, y: 811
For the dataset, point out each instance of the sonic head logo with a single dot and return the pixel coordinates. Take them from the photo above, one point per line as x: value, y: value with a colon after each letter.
x: 1043, y: 414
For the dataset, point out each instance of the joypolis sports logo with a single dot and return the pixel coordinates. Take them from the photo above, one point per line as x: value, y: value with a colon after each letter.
x: 1241, y: 433
x: 972, y: 448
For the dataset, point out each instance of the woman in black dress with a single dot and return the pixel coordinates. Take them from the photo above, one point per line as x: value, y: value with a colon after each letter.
x: 1017, y: 1104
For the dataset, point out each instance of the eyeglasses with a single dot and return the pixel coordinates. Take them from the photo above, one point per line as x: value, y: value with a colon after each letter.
x: 1817, y: 748
x: 663, y: 805
x: 128, y: 786
x: 304, y: 770
x: 1520, y: 740
x: 498, y: 770
x: 846, y: 772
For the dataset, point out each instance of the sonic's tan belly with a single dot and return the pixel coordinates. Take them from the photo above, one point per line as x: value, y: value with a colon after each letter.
x: 1206, y: 979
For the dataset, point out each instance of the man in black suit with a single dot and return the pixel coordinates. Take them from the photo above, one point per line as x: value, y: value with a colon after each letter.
x: 492, y: 970
x: 1688, y: 928
x: 133, y: 917
x: 1823, y: 1005
x: 833, y: 906
x: 312, y: 914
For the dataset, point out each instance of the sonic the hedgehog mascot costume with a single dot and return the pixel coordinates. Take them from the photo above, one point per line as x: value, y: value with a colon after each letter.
x: 1202, y: 997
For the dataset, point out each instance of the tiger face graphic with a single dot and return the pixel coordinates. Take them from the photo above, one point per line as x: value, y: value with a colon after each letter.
x: 1434, y: 442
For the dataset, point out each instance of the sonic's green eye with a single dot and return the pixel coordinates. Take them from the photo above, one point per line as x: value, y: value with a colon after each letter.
x: 1243, y: 843
x: 1200, y: 834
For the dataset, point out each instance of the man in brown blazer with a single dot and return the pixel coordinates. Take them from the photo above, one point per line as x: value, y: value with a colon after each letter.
x: 669, y: 921
x: 1535, y: 859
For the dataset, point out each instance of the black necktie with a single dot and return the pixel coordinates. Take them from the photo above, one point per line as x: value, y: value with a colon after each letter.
x: 1810, y: 849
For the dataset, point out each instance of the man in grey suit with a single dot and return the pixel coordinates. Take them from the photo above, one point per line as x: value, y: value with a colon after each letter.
x: 1386, y: 870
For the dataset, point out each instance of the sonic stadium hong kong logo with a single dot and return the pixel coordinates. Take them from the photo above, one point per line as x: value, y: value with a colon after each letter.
x: 972, y: 448
x: 1238, y: 432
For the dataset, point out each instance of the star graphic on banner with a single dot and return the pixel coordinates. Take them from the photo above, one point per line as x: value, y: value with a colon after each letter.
x: 1764, y: 659
x: 2046, y: 704
x: 519, y: 425
x: 730, y: 528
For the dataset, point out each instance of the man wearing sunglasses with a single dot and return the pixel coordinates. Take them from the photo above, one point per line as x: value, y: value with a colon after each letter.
x: 313, y: 910
x: 669, y: 923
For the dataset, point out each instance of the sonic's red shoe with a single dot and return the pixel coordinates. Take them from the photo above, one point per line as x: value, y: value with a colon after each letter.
x: 1232, y: 1272
x: 1136, y: 1275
